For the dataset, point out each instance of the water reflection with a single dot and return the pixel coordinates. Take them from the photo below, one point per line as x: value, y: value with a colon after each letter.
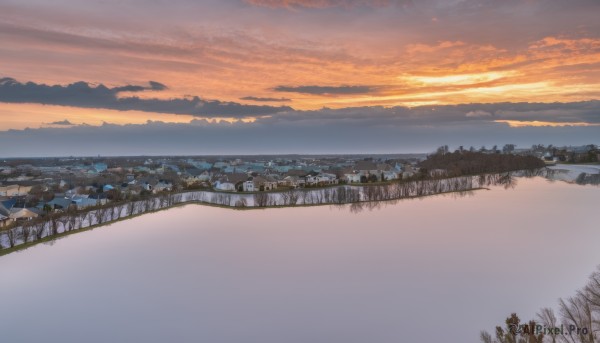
x: 359, y: 207
x: 432, y: 269
x: 508, y: 181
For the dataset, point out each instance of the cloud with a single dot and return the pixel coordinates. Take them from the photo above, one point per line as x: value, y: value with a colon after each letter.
x: 326, y: 3
x: 62, y: 123
x: 157, y: 86
x: 478, y: 114
x: 357, y: 130
x: 326, y: 90
x: 259, y: 99
x: 82, y: 94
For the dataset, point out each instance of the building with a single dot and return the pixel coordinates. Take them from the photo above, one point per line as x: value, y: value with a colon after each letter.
x: 248, y: 186
x: 14, y: 190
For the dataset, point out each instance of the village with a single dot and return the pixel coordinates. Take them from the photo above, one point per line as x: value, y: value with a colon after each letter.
x: 32, y: 188
x: 35, y: 187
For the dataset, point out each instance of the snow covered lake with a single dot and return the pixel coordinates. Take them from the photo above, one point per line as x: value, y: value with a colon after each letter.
x: 436, y: 269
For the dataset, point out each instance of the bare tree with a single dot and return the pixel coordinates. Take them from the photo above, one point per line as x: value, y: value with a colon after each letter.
x: 130, y: 207
x: 26, y: 232
x: 241, y: 202
x: 39, y: 228
x: 261, y: 199
x: 12, y: 237
x: 548, y: 319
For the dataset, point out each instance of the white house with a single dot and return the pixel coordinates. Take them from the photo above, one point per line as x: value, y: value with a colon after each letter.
x: 352, y: 178
x: 327, y: 179
x: 390, y: 175
x: 224, y: 186
x: 248, y: 186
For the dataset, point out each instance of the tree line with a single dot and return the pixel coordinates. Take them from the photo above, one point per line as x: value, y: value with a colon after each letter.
x: 54, y: 224
x: 465, y: 162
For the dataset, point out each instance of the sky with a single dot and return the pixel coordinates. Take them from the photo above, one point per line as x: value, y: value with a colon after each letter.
x: 295, y: 76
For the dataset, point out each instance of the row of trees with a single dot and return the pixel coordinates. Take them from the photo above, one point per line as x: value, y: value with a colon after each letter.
x: 382, y: 192
x: 54, y: 224
x: 72, y: 219
x: 470, y: 163
x: 578, y: 321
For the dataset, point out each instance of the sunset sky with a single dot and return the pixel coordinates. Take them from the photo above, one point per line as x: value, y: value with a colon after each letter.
x: 297, y: 76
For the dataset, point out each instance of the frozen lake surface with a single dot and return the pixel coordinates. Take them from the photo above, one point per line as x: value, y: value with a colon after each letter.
x: 437, y: 269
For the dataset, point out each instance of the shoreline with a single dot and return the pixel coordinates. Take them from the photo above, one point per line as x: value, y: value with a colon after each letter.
x: 64, y: 234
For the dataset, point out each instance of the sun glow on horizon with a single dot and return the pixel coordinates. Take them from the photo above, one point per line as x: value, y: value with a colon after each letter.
x: 536, y: 123
x: 458, y: 79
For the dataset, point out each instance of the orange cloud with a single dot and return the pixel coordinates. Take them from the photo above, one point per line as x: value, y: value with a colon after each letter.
x: 420, y: 48
x: 536, y: 123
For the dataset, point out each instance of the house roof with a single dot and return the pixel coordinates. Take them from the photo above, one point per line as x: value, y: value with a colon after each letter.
x: 4, y: 211
x: 262, y: 179
x: 8, y: 204
x: 365, y: 165
x: 296, y: 172
x: 22, y: 213
x: 60, y: 202
x: 236, y: 177
x: 384, y: 167
x: 194, y: 171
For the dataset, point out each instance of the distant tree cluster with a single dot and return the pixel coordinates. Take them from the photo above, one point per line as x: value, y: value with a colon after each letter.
x: 470, y: 163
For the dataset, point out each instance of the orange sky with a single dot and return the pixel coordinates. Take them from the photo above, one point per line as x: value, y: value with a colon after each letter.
x: 397, y: 53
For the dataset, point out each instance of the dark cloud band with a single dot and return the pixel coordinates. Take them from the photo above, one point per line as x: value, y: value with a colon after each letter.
x: 81, y: 94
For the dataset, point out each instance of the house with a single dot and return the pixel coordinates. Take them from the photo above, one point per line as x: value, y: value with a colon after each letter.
x: 231, y: 182
x: 292, y: 181
x: 6, y: 170
x: 221, y: 165
x: 194, y: 175
x: 248, y: 186
x: 368, y: 169
x: 4, y: 215
x: 60, y: 203
x: 264, y: 183
x: 100, y: 167
x: 390, y: 175
x: 14, y: 190
x: 163, y: 186
x: 352, y: 177
x: 84, y: 201
x: 3, y: 220
x: 107, y: 188
x: 224, y: 186
x: 147, y: 186
x: 22, y: 214
x: 327, y: 179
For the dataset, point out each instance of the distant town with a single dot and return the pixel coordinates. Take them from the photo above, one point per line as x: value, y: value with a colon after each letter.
x: 34, y: 187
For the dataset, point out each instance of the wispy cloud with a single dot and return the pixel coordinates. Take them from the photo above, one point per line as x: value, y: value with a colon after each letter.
x: 260, y: 99
x: 326, y: 90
